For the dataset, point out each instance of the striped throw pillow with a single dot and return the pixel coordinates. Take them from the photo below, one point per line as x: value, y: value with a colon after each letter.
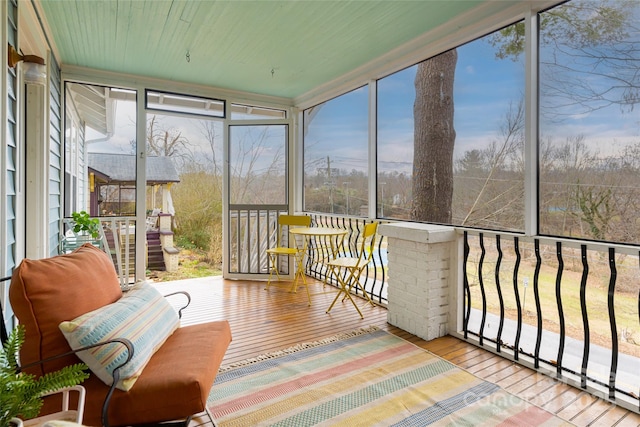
x: 142, y: 316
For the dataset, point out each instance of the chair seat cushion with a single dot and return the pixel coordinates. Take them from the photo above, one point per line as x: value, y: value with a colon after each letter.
x: 186, y: 364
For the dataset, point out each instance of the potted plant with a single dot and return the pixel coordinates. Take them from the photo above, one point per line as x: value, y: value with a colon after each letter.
x: 21, y: 393
x: 84, y: 225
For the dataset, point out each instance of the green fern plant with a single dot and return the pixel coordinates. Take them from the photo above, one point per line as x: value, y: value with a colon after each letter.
x: 21, y: 393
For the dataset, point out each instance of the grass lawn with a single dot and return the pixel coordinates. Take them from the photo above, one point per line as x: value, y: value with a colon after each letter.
x: 625, y: 301
x: 191, y: 265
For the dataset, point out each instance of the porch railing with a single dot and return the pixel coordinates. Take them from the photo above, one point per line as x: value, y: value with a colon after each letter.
x: 117, y: 239
x: 568, y: 308
x: 254, y: 229
x: 374, y: 278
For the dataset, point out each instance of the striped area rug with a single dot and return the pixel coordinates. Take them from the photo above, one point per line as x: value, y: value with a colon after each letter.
x: 364, y: 378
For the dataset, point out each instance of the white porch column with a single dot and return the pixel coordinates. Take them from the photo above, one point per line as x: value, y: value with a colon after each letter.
x: 420, y: 271
x: 37, y: 177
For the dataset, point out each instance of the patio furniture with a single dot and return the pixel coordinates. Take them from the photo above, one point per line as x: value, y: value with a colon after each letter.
x: 56, y: 297
x: 288, y: 223
x: 320, y: 244
x: 348, y: 269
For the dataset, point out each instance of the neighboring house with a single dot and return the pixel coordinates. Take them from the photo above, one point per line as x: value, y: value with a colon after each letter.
x: 112, y: 176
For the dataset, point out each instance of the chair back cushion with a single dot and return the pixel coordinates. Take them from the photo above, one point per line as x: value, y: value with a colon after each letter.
x: 45, y: 292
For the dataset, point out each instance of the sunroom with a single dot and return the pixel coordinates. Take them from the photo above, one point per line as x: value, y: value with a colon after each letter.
x: 496, y: 143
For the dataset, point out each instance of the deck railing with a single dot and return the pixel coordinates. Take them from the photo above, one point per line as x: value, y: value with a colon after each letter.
x: 117, y: 240
x: 567, y: 308
x: 254, y: 229
x: 374, y: 277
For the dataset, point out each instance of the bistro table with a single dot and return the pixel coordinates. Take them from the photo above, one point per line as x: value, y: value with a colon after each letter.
x: 320, y: 244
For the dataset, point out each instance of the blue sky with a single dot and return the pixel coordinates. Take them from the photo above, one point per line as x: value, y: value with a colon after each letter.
x: 484, y: 88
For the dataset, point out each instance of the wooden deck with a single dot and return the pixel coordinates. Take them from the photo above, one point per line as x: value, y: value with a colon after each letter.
x: 265, y: 321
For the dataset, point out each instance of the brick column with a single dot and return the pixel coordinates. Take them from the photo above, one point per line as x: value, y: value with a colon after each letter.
x: 420, y: 257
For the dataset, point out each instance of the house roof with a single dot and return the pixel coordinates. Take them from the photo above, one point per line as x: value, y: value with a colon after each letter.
x: 121, y: 168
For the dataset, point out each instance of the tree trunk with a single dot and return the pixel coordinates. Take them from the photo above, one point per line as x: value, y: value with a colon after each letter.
x: 434, y: 139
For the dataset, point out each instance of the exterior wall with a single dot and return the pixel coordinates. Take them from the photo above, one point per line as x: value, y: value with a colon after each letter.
x: 55, y: 156
x: 75, y: 165
x: 9, y: 159
x: 420, y: 276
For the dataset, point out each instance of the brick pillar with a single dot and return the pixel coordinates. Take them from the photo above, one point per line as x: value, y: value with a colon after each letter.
x: 420, y: 257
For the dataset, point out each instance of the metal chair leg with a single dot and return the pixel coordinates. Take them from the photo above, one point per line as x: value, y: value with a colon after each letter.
x: 345, y: 288
x: 272, y: 267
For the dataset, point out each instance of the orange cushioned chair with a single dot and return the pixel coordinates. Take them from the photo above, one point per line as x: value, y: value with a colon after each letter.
x: 173, y: 385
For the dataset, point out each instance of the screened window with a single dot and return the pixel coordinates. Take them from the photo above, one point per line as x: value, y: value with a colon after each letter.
x: 172, y: 102
x: 252, y: 112
x: 336, y: 155
x: 258, y: 164
x: 589, y: 146
x: 450, y: 137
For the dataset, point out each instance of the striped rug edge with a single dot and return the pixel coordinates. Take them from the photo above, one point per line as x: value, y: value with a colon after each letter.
x: 299, y: 347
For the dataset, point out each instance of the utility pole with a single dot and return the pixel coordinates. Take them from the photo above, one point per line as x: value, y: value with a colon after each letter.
x: 346, y: 193
x: 382, y: 184
x: 330, y: 183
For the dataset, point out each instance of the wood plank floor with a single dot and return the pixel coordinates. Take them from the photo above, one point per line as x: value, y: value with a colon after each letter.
x: 266, y: 321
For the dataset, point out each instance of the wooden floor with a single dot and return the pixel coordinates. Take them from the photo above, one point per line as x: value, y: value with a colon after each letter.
x: 265, y: 321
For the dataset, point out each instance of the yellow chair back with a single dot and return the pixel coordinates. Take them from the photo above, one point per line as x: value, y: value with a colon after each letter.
x: 368, y: 240
x: 292, y: 221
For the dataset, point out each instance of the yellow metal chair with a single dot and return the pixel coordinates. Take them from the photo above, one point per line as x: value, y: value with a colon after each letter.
x: 348, y: 269
x: 285, y: 223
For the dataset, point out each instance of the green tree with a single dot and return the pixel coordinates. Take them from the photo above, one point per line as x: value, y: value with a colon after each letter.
x: 434, y: 139
x: 593, y: 32
x: 166, y: 141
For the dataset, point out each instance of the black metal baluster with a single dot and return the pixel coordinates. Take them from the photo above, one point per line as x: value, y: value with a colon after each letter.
x: 375, y: 259
x: 482, y: 293
x: 585, y: 318
x: 501, y: 324
x: 466, y: 300
x: 516, y: 345
x: 382, y: 272
x: 536, y: 293
x: 612, y: 320
x: 560, y: 309
x: 366, y: 275
x: 314, y: 254
x: 364, y: 223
